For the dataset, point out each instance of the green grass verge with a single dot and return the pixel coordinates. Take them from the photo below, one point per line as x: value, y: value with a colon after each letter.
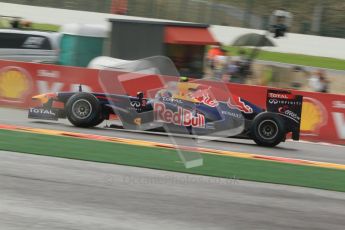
x: 167, y: 159
x: 45, y: 27
x: 297, y: 59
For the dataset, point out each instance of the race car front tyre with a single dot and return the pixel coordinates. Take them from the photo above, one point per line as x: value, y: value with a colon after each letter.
x: 268, y: 129
x: 83, y: 110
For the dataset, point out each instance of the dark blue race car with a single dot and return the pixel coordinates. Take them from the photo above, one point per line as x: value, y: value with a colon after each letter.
x: 193, y: 112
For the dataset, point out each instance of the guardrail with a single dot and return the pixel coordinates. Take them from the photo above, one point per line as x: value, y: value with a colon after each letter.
x: 323, y: 115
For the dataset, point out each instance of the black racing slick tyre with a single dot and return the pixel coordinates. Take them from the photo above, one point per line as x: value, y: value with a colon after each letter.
x: 268, y: 129
x: 99, y: 120
x: 83, y: 110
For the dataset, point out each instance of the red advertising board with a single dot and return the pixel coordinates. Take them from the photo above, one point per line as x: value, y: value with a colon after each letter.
x: 323, y: 115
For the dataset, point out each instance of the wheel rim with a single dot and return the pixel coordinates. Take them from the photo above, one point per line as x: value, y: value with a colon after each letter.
x: 81, y: 109
x: 268, y: 129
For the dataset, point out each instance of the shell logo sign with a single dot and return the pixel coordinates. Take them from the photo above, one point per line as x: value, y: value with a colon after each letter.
x: 314, y: 116
x: 15, y: 84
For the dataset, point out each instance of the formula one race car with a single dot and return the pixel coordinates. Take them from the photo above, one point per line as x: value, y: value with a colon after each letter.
x: 195, y: 112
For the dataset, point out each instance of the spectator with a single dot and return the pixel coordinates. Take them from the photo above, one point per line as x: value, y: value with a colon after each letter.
x: 212, y: 54
x: 15, y: 23
x: 220, y: 65
x: 240, y: 67
x: 241, y: 56
x: 25, y: 24
x: 232, y: 71
x: 318, y: 82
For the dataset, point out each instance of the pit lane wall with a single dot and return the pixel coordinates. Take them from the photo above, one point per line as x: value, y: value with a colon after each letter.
x: 323, y: 115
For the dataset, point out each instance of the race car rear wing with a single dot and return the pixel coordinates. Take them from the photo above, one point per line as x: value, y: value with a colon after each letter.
x: 289, y: 106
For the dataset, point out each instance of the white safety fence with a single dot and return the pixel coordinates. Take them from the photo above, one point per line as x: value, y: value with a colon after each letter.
x: 292, y: 43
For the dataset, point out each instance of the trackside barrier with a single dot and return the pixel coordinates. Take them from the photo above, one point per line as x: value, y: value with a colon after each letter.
x: 323, y: 115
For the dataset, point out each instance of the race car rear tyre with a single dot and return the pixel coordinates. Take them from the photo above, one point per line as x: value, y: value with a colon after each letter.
x: 83, y: 110
x: 268, y: 129
x: 99, y: 120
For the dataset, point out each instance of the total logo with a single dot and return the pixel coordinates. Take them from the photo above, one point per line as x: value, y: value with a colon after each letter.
x: 280, y: 96
x: 15, y: 84
x: 182, y: 117
x: 42, y: 111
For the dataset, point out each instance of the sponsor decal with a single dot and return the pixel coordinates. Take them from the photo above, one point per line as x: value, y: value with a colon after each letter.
x: 138, y: 106
x: 15, y: 84
x: 273, y: 101
x: 163, y: 93
x: 48, y: 73
x: 135, y: 104
x: 239, y: 104
x: 285, y: 111
x: 210, y: 126
x: 232, y: 114
x: 182, y: 117
x: 137, y: 121
x: 314, y: 116
x: 172, y: 100
x: 46, y: 87
x: 338, y: 104
x: 42, y: 111
x: 282, y: 109
x: 286, y: 102
x: 33, y: 42
x: 203, y: 96
x: 292, y: 115
x: 53, y: 81
x: 281, y: 96
x: 339, y: 121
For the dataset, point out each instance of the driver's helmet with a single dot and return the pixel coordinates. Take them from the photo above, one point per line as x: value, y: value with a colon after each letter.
x: 140, y: 95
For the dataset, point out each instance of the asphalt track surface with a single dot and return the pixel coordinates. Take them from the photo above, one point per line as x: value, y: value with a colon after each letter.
x: 38, y: 192
x: 41, y: 193
x: 300, y: 150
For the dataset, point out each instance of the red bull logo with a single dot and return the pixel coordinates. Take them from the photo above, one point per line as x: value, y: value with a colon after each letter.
x: 181, y: 117
x: 237, y: 103
x: 204, y: 97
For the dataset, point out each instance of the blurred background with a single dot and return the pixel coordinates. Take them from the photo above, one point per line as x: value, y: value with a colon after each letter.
x: 318, y: 17
x: 292, y: 61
